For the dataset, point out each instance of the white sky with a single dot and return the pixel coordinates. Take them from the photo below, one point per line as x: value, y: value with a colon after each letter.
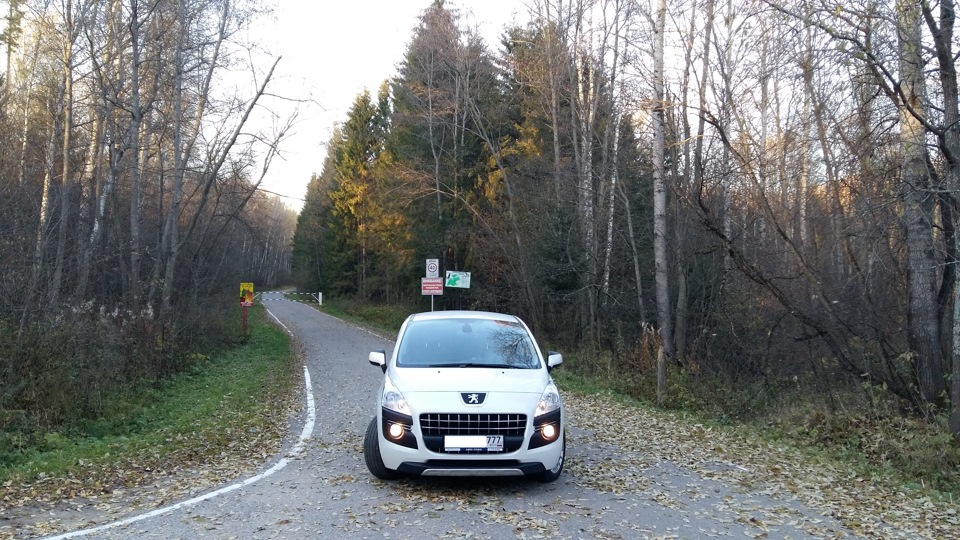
x: 332, y: 50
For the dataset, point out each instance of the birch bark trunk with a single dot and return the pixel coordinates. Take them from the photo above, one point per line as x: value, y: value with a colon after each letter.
x: 660, y: 205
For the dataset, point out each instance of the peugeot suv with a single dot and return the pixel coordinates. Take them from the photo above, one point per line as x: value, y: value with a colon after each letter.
x: 466, y: 393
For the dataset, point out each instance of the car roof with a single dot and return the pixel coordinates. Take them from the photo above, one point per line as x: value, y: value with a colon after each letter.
x: 463, y: 314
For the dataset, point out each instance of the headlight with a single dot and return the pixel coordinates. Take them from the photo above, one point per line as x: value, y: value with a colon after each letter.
x: 549, y: 401
x: 392, y: 398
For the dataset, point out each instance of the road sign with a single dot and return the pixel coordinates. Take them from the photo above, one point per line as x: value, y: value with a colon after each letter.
x: 246, y: 294
x: 457, y: 280
x: 433, y: 268
x: 431, y: 286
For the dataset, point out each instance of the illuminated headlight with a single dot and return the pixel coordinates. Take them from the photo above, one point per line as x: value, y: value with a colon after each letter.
x: 547, y: 418
x: 392, y: 398
x: 396, y: 427
x: 549, y: 401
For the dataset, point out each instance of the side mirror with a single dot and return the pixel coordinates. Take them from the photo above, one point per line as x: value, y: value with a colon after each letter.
x: 554, y: 359
x: 379, y: 358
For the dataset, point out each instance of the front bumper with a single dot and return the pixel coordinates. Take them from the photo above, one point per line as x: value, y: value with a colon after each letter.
x: 413, y: 454
x: 460, y: 467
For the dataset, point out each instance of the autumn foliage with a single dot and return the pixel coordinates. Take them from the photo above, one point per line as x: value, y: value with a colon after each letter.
x: 808, y: 242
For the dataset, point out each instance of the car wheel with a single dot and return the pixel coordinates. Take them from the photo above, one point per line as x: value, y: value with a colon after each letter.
x: 551, y: 475
x: 371, y: 454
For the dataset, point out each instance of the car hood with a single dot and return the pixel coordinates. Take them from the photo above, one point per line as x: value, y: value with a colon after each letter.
x: 521, y: 381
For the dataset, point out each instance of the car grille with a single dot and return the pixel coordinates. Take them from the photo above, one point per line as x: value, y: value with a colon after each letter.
x: 434, y: 426
x: 472, y: 424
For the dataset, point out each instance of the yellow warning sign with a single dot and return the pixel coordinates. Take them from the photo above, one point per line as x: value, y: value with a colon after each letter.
x: 246, y: 294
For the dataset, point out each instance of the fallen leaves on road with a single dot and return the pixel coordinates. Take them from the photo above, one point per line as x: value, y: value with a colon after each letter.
x: 633, y: 441
x: 868, y: 507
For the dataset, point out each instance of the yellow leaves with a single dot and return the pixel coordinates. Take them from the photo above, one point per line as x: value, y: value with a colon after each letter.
x: 341, y: 479
x: 866, y: 507
x: 511, y: 150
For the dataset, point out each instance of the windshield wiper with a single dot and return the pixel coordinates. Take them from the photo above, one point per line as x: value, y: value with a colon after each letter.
x: 474, y: 364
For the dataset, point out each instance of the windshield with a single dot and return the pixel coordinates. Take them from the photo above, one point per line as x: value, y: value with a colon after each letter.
x: 467, y: 343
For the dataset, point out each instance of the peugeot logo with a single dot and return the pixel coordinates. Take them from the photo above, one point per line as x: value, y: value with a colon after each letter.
x: 473, y: 398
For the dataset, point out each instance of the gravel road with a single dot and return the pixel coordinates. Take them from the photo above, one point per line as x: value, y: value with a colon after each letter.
x: 320, y: 488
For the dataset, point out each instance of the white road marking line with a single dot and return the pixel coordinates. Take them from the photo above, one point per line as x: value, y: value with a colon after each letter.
x: 295, y: 451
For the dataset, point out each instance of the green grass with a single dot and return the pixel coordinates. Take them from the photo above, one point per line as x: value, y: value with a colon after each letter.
x: 190, y: 416
x: 384, y: 318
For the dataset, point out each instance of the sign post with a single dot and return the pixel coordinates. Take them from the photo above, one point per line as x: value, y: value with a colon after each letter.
x: 431, y: 286
x: 246, y: 299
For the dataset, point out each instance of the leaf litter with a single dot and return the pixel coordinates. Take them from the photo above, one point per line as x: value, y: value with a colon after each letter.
x: 865, y: 507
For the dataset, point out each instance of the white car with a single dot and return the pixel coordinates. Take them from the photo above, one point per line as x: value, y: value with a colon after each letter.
x: 466, y: 393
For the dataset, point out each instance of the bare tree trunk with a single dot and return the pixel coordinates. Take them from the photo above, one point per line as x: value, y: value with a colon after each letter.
x: 701, y: 122
x: 27, y: 82
x: 636, y: 255
x: 660, y: 200
x: 66, y: 180
x: 611, y: 212
x: 11, y: 13
x: 585, y: 199
x: 554, y: 82
x: 610, y: 166
x: 923, y: 327
x: 25, y: 132
x: 806, y: 143
x: 40, y: 239
x: 943, y: 39
x: 725, y: 115
x: 693, y: 170
x: 434, y: 150
x: 25, y: 139
x: 90, y: 220
x: 136, y: 118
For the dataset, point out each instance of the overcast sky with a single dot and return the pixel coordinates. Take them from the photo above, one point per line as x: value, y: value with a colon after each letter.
x: 332, y: 50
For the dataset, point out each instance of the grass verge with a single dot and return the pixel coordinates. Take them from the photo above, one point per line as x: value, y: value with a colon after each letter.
x: 383, y: 318
x: 228, y: 410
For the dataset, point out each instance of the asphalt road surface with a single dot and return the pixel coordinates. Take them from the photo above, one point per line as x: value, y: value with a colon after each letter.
x: 320, y: 487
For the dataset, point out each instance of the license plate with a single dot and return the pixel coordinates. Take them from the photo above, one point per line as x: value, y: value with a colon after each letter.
x: 491, y: 443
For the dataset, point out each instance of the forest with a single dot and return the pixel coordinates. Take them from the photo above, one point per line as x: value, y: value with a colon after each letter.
x: 129, y: 202
x: 743, y: 207
x: 741, y: 203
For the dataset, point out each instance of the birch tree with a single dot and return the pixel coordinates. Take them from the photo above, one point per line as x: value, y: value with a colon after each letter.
x: 666, y: 353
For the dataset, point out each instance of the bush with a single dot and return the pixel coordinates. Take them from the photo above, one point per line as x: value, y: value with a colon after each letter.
x: 63, y: 372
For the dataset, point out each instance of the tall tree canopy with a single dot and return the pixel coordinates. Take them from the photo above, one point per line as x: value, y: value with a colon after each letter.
x: 796, y: 161
x: 129, y: 199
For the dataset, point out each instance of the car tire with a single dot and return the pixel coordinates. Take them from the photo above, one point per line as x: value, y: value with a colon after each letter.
x: 551, y: 475
x: 371, y: 454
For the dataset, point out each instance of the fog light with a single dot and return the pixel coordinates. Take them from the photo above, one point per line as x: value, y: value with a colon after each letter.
x: 549, y: 431
x: 396, y: 431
